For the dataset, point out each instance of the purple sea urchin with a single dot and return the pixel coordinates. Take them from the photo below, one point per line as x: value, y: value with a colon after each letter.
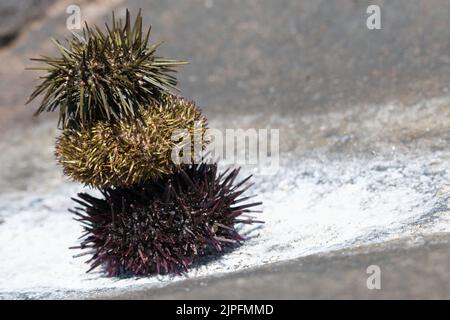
x: 162, y: 226
x: 104, y: 75
x: 131, y: 150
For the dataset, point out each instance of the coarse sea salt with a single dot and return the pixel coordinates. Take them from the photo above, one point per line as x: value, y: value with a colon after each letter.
x: 315, y: 204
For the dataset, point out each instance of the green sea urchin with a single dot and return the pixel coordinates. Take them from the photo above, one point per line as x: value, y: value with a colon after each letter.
x: 104, y: 75
x: 131, y: 150
x: 163, y: 226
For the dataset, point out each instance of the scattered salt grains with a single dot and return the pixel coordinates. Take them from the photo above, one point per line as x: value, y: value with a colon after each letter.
x: 314, y: 205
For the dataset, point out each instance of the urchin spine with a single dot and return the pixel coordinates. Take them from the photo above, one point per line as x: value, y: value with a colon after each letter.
x: 132, y: 150
x: 165, y: 225
x: 105, y: 75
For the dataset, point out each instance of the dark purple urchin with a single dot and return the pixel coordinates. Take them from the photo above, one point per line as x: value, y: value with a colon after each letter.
x: 162, y: 226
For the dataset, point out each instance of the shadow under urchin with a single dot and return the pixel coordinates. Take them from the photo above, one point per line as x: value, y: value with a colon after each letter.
x: 164, y: 226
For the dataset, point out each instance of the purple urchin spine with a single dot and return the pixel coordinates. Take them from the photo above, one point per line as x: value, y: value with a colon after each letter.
x: 163, y: 226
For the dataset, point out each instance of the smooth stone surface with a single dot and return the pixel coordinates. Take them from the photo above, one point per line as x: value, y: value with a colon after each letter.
x: 409, y: 268
x: 363, y: 118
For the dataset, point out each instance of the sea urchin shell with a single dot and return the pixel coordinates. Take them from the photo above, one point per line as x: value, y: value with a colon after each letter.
x: 162, y: 226
x: 104, y: 75
x: 132, y: 150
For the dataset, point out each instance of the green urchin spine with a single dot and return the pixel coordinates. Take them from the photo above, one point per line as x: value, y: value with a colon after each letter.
x: 104, y: 75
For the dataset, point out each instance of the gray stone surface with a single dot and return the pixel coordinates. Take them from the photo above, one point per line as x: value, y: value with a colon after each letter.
x: 413, y: 268
x: 267, y: 58
x: 16, y: 15
x: 335, y: 90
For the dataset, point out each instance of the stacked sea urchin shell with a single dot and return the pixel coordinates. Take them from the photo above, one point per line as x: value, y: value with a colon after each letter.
x: 118, y: 115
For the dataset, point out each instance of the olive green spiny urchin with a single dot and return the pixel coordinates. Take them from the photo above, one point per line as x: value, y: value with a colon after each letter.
x: 104, y: 75
x: 132, y: 150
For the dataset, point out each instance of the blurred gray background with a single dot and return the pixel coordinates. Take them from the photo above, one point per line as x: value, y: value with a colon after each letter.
x: 311, y: 69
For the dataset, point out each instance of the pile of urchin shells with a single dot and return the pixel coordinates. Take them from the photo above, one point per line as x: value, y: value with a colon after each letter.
x: 117, y: 113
